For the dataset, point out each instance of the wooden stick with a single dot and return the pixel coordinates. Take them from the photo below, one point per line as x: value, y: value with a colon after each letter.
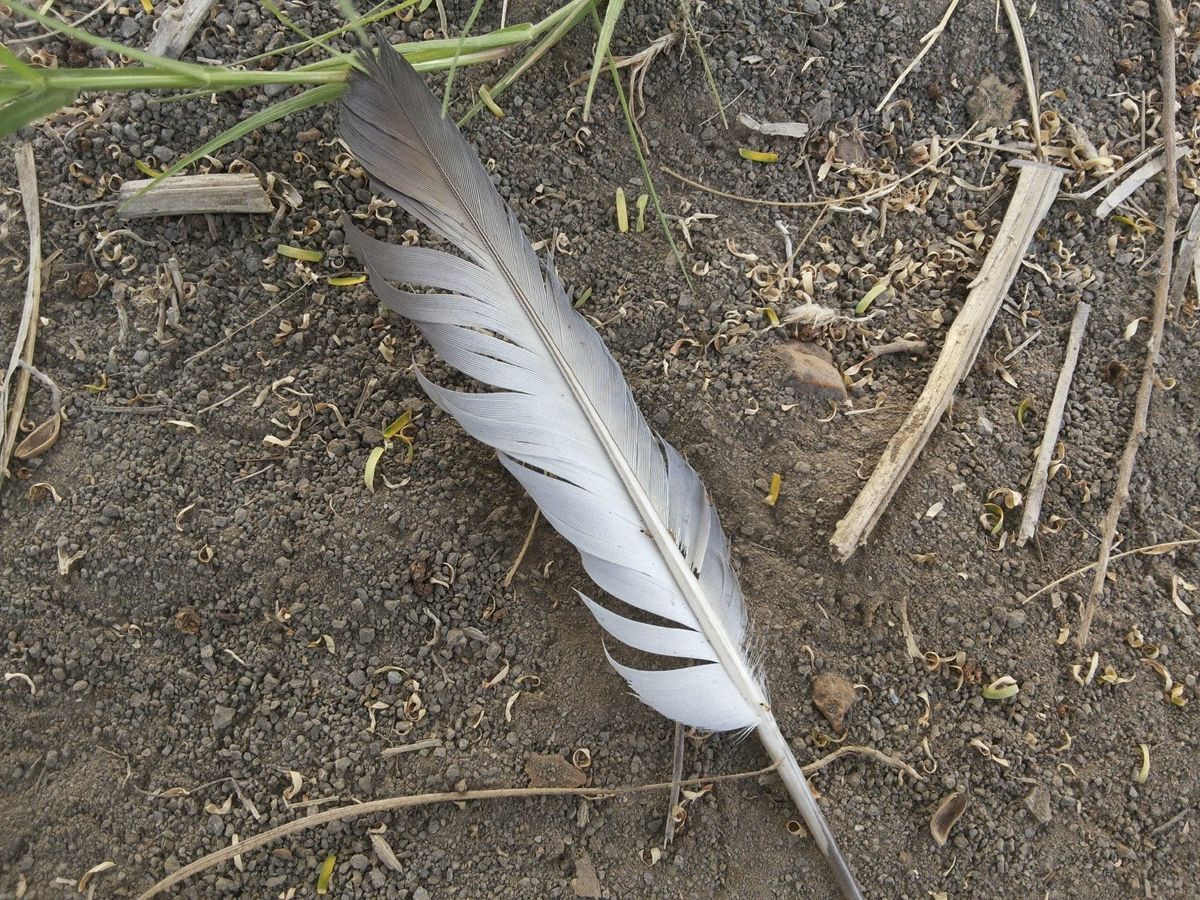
x: 176, y: 26
x: 22, y: 351
x: 1166, y: 31
x: 1041, y: 468
x: 180, y: 195
x: 1037, y: 186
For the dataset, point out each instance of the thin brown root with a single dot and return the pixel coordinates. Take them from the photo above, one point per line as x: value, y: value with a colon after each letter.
x: 877, y: 755
x: 388, y: 804
x: 512, y: 573
x: 1148, y: 550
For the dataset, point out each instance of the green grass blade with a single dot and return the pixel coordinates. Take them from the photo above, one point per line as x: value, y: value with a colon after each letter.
x: 354, y: 20
x: 708, y: 75
x: 611, y: 15
x: 578, y: 9
x: 641, y: 158
x: 198, y: 73
x: 462, y: 39
x: 377, y: 12
x: 31, y: 106
x: 324, y: 93
x: 18, y: 66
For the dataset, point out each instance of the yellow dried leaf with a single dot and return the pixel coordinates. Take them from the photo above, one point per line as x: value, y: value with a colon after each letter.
x: 758, y: 156
x: 346, y: 280
x: 771, y: 315
x: 493, y: 107
x: 369, y: 472
x: 870, y: 296
x: 1143, y: 771
x: 299, y: 253
x: 1023, y: 408
x: 1002, y: 688
x: 773, y: 494
x: 326, y: 874
x: 622, y: 212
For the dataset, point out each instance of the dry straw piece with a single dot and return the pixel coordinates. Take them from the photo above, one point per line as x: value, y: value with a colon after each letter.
x: 1037, y: 187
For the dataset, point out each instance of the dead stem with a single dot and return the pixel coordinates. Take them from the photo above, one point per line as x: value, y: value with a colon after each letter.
x: 21, y: 361
x: 1166, y: 29
x: 389, y: 804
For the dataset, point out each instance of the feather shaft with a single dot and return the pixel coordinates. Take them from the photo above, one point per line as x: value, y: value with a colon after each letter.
x: 563, y: 421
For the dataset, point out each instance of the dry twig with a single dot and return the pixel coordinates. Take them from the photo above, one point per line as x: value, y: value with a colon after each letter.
x: 877, y: 755
x: 389, y: 804
x: 1037, y: 186
x: 1014, y: 22
x: 512, y: 573
x: 1041, y: 467
x: 21, y: 361
x: 676, y: 776
x: 1166, y: 30
x: 1148, y: 550
x: 927, y: 43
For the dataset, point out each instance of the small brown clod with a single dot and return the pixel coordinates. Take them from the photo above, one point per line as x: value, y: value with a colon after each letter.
x: 1116, y: 372
x: 833, y: 695
x: 552, y: 770
x: 187, y: 621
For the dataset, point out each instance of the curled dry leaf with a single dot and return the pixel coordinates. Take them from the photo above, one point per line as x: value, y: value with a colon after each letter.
x: 93, y: 872
x: 949, y: 811
x: 1143, y: 771
x: 66, y: 560
x: 21, y: 676
x: 383, y: 850
x: 40, y: 439
x: 43, y: 489
x: 1002, y: 688
x: 796, y: 828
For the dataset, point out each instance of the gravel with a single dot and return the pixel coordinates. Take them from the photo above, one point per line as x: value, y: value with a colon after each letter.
x: 334, y: 623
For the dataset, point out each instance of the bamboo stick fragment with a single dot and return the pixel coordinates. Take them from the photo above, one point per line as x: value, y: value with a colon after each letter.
x: 1037, y: 186
x: 1041, y: 467
x: 27, y: 329
x: 176, y: 27
x: 180, y: 195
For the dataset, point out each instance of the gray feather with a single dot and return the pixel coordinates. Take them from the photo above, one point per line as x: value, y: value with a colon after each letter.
x: 561, y: 417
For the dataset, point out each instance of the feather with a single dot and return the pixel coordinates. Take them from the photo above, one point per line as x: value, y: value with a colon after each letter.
x: 563, y: 420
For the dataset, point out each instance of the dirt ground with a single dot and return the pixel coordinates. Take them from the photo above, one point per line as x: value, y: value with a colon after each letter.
x: 244, y: 632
